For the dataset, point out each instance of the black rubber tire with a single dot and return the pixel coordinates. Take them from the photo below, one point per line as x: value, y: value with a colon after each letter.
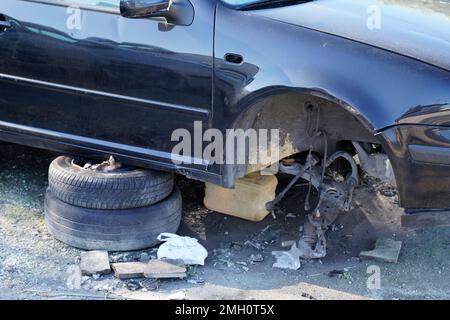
x: 107, y: 191
x: 112, y: 230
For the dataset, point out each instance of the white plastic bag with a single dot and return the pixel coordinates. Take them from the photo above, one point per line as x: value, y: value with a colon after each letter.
x: 182, y: 248
x: 286, y: 260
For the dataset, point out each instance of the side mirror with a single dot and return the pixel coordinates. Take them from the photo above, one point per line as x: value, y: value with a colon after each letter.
x: 144, y: 8
x: 178, y: 12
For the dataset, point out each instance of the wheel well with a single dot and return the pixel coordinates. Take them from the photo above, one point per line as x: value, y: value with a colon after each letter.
x: 297, y: 116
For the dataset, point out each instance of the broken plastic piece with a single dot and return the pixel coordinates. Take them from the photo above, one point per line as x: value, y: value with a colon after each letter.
x: 287, y: 259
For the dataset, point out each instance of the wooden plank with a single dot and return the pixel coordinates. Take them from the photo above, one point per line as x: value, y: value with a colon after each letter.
x: 165, y: 269
x: 129, y: 270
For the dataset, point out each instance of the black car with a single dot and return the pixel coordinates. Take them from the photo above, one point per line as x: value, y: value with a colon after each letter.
x: 109, y: 77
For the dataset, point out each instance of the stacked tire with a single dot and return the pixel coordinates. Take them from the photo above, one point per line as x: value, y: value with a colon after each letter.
x: 125, y: 209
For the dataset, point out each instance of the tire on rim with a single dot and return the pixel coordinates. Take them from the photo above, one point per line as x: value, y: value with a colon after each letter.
x: 125, y: 188
x: 112, y: 230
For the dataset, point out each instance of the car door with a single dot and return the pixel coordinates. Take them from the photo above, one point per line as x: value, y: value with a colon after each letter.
x: 77, y: 71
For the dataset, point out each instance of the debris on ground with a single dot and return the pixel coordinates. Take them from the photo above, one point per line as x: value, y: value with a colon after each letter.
x: 94, y: 262
x: 223, y: 256
x: 386, y: 250
x: 192, y: 270
x: 342, y: 274
x: 334, y: 273
x: 195, y: 281
x: 106, y: 285
x: 77, y: 279
x: 133, y: 285
x: 149, y: 284
x: 256, y: 258
x: 261, y: 240
x: 347, y: 276
x: 193, y: 274
x: 160, y: 269
x: 129, y: 270
x: 287, y: 259
x: 10, y: 263
x: 236, y: 246
x: 179, y: 295
x: 142, y: 255
x: 96, y: 276
x: 256, y: 245
x: 186, y: 249
x: 144, y: 285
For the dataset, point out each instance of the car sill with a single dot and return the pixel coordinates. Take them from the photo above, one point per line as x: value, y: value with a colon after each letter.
x: 100, y: 145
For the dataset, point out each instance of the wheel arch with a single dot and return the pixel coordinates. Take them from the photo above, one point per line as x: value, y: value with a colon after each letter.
x: 286, y: 109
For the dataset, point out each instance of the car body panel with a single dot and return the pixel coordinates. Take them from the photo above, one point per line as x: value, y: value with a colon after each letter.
x: 388, y: 93
x: 422, y: 184
x: 415, y: 28
x: 117, y: 90
x: 104, y: 80
x: 380, y: 86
